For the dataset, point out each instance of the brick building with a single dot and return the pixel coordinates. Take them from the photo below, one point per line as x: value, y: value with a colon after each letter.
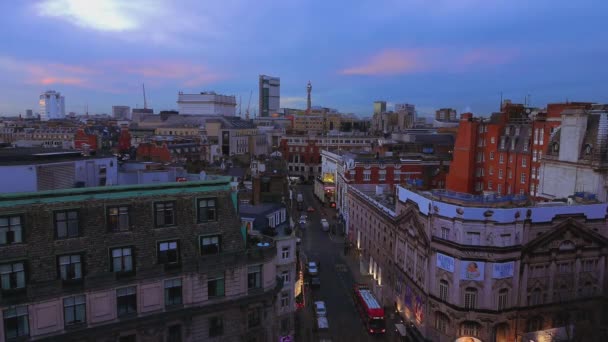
x: 502, y: 154
x: 162, y: 262
x: 303, y: 152
x: 460, y: 268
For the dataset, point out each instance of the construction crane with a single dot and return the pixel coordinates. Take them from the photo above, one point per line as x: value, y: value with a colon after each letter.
x: 248, y: 106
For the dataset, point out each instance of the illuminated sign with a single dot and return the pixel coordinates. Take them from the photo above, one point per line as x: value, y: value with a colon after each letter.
x: 445, y: 262
x: 472, y: 270
x: 503, y: 270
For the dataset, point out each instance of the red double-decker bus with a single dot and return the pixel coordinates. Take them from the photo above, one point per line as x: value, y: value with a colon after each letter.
x: 370, y: 310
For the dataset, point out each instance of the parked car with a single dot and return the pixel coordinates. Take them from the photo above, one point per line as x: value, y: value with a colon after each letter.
x: 324, y: 225
x: 313, y: 270
x: 320, y: 309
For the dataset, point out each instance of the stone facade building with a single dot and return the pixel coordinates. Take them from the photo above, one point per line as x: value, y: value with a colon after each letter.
x: 457, y: 268
x: 162, y: 262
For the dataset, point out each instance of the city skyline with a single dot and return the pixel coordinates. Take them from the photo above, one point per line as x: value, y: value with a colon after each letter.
x: 460, y: 54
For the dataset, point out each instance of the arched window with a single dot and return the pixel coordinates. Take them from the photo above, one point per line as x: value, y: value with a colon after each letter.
x: 535, y: 297
x: 444, y: 290
x: 503, y: 299
x: 442, y: 322
x: 501, y: 332
x: 470, y: 298
x: 469, y: 328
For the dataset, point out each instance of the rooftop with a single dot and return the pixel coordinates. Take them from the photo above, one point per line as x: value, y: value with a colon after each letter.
x: 114, y: 192
x: 25, y: 155
x: 378, y: 195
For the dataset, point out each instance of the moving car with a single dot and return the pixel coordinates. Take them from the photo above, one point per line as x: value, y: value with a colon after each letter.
x: 324, y: 225
x: 310, y: 209
x: 320, y: 309
x: 303, y: 220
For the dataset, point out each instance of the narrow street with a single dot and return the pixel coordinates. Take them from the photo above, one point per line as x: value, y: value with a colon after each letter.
x: 337, y: 274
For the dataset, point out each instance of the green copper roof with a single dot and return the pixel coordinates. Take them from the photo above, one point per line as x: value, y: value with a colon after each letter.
x: 113, y: 192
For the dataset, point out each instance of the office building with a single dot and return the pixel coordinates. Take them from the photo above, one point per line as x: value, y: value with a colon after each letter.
x: 121, y: 112
x: 379, y: 107
x: 269, y: 95
x: 52, y: 105
x: 460, y: 268
x: 206, y: 103
x: 157, y: 262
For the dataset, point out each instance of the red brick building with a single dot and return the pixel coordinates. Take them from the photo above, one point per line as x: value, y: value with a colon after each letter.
x: 502, y: 154
x: 81, y: 137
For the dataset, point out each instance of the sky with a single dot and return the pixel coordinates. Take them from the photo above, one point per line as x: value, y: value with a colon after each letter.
x: 461, y: 54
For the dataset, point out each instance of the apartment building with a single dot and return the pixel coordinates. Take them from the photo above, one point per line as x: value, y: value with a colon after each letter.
x: 161, y: 262
x: 457, y: 267
x: 303, y: 152
x: 497, y: 155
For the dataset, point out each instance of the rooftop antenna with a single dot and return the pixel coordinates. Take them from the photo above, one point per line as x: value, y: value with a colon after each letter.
x: 248, y: 106
x: 143, y: 86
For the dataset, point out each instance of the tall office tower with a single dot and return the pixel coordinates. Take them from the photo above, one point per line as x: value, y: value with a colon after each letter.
x: 379, y: 107
x: 270, y: 95
x: 52, y: 105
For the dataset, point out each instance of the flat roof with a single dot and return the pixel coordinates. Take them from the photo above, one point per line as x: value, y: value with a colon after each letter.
x: 24, y: 155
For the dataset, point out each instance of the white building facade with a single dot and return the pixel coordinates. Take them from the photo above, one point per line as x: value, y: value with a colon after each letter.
x: 206, y: 103
x: 52, y: 105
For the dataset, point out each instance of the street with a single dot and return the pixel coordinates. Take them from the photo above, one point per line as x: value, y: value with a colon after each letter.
x: 336, y: 274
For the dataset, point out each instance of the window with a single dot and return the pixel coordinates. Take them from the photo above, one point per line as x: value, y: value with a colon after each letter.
x: 284, y: 299
x: 489, y: 185
x: 215, y: 287
x: 164, y: 214
x: 285, y: 277
x: 445, y: 233
x: 66, y: 224
x: 74, y: 310
x: 122, y: 259
x: 70, y: 267
x: 444, y: 290
x: 168, y: 252
x: 534, y: 155
x: 473, y: 238
x: 382, y: 175
x: 16, y: 322
x: 492, y: 141
x: 534, y: 324
x: 564, y: 267
x: 12, y: 276
x: 118, y: 219
x: 522, y: 178
x: 174, y: 333
x: 11, y: 230
x: 491, y: 155
x: 126, y: 301
x: 470, y: 298
x: 210, y: 244
x: 254, y: 318
x: 469, y: 329
x: 503, y: 297
x: 216, y: 326
x: 173, y: 292
x: 367, y: 176
x: 533, y: 172
x: 501, y: 158
x: 500, y: 173
x: 285, y: 253
x: 491, y: 171
x: 499, y: 188
x: 206, y: 210
x: 524, y: 162
x: 254, y: 277
x: 535, y: 297
x: 442, y: 322
x: 589, y: 265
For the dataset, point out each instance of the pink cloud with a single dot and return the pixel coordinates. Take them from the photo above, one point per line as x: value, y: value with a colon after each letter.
x: 111, y: 76
x: 390, y: 62
x: 399, y: 62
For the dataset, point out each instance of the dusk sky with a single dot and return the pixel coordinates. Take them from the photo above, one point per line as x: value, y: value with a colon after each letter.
x: 432, y: 53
